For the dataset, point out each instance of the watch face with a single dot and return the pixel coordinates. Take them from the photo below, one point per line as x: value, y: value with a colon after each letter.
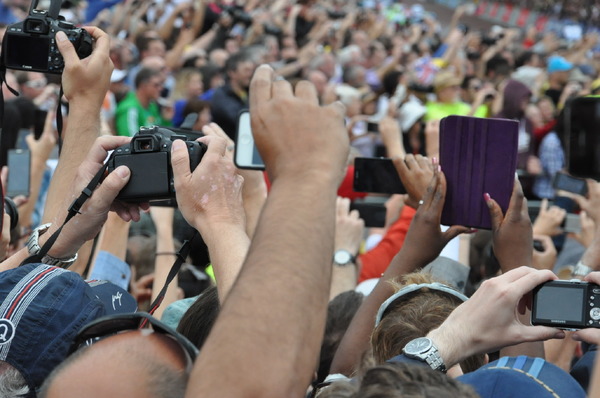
x: 342, y: 257
x: 417, y: 346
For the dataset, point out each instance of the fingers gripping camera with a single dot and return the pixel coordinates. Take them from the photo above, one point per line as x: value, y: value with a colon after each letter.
x: 148, y: 157
x: 30, y: 45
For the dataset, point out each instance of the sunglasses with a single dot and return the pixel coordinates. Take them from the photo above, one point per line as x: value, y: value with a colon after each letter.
x: 114, y: 324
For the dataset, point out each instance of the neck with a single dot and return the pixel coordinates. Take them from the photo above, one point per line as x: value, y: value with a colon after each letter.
x: 144, y: 100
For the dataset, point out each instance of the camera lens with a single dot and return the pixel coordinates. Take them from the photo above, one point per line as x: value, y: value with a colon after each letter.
x: 11, y: 209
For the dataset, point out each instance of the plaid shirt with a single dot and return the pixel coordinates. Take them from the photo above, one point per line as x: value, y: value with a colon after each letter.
x: 552, y: 158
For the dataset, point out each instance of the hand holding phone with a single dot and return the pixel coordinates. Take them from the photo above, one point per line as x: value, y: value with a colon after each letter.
x: 377, y: 175
x: 565, y: 182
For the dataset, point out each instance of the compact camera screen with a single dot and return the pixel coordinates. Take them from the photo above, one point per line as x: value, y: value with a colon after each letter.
x: 36, y: 56
x: 566, y: 305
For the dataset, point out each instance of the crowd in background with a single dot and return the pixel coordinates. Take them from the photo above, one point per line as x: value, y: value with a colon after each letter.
x: 398, y: 69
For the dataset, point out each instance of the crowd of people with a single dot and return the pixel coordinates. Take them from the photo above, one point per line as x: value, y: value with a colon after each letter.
x: 268, y: 283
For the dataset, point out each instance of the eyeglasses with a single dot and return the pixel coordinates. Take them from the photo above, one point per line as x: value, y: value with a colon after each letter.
x: 115, y: 324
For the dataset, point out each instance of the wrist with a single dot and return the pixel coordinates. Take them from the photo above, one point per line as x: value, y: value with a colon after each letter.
x: 448, y: 346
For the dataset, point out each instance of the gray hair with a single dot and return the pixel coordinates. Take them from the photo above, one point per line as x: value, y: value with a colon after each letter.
x: 12, y: 382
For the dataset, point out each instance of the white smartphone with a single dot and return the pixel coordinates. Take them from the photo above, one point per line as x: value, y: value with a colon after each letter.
x: 246, y: 154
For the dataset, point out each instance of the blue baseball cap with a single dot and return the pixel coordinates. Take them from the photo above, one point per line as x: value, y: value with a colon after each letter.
x: 558, y: 64
x: 42, y: 310
x: 522, y: 376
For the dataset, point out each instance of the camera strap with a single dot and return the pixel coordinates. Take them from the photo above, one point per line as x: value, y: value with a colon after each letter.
x: 74, y: 209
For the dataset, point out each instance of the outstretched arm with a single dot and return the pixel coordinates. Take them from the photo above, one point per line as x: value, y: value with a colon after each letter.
x: 279, y: 300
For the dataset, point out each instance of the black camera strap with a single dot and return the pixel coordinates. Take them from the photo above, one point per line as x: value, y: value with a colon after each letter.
x: 74, y: 209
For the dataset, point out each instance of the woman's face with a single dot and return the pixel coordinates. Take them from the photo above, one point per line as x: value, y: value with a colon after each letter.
x: 195, y: 86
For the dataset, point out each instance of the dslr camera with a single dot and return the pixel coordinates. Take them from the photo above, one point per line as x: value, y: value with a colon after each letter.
x: 30, y: 44
x: 148, y: 157
x: 567, y: 305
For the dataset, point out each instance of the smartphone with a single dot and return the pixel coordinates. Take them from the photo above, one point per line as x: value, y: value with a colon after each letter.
x: 478, y: 156
x: 572, y: 223
x: 567, y: 183
x: 376, y: 175
x: 566, y: 305
x: 19, y: 163
x: 581, y: 140
x: 246, y: 154
x: 372, y: 213
x: 372, y: 127
x: 39, y: 122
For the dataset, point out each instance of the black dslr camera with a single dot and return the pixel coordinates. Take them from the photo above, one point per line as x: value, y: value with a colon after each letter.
x: 570, y: 305
x: 148, y: 157
x: 30, y: 44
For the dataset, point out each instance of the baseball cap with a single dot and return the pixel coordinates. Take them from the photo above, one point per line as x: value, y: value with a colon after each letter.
x: 43, y: 309
x: 558, y: 64
x: 449, y: 271
x: 409, y: 113
x: 522, y: 376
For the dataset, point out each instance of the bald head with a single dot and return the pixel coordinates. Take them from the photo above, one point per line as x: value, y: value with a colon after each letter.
x: 134, y: 364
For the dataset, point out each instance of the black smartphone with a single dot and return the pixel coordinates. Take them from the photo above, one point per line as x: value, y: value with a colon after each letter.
x: 246, y: 154
x: 39, y: 122
x: 372, y: 127
x: 376, y: 175
x: 566, y: 305
x: 581, y: 139
x: 372, y: 213
x: 19, y: 163
x: 567, y: 183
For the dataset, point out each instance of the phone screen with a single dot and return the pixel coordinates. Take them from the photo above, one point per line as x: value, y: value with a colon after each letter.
x: 18, y: 172
x: 570, y: 184
x: 372, y: 213
x: 582, y: 142
x: 246, y: 153
x: 376, y: 175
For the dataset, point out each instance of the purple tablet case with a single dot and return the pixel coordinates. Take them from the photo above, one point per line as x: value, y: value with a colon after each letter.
x: 477, y: 155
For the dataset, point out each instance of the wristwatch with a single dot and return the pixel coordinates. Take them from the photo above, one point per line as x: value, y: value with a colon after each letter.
x: 423, y: 349
x: 33, y: 247
x: 343, y: 257
x: 581, y: 270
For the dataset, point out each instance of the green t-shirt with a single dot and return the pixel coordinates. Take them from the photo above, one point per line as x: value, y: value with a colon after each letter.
x: 131, y: 115
x: 438, y: 110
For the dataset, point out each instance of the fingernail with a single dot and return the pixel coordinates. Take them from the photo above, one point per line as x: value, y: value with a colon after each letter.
x: 559, y: 335
x: 434, y: 160
x: 575, y: 337
x: 487, y: 197
x: 439, y: 168
x: 177, y: 145
x: 472, y: 231
x: 122, y: 171
x: 61, y: 36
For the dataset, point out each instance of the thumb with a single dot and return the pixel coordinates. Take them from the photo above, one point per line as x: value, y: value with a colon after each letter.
x: 541, y: 333
x: 180, y: 162
x: 106, y: 193
x: 495, y: 212
x: 66, y: 48
x: 454, y: 231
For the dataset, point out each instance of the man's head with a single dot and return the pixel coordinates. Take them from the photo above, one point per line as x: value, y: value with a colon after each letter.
x: 31, y: 84
x: 134, y: 362
x: 240, y: 68
x: 41, y: 312
x: 148, y: 84
x: 447, y: 86
x: 558, y: 69
x: 413, y: 315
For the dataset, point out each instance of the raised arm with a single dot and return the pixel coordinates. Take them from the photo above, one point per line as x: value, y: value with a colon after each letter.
x: 280, y: 299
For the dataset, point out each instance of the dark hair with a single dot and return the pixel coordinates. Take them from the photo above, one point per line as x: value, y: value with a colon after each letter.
x: 340, y: 312
x: 523, y: 58
x: 235, y: 60
x: 199, y: 319
x: 390, y: 82
x: 209, y: 71
x: 144, y: 75
x: 195, y: 105
x: 393, y: 380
